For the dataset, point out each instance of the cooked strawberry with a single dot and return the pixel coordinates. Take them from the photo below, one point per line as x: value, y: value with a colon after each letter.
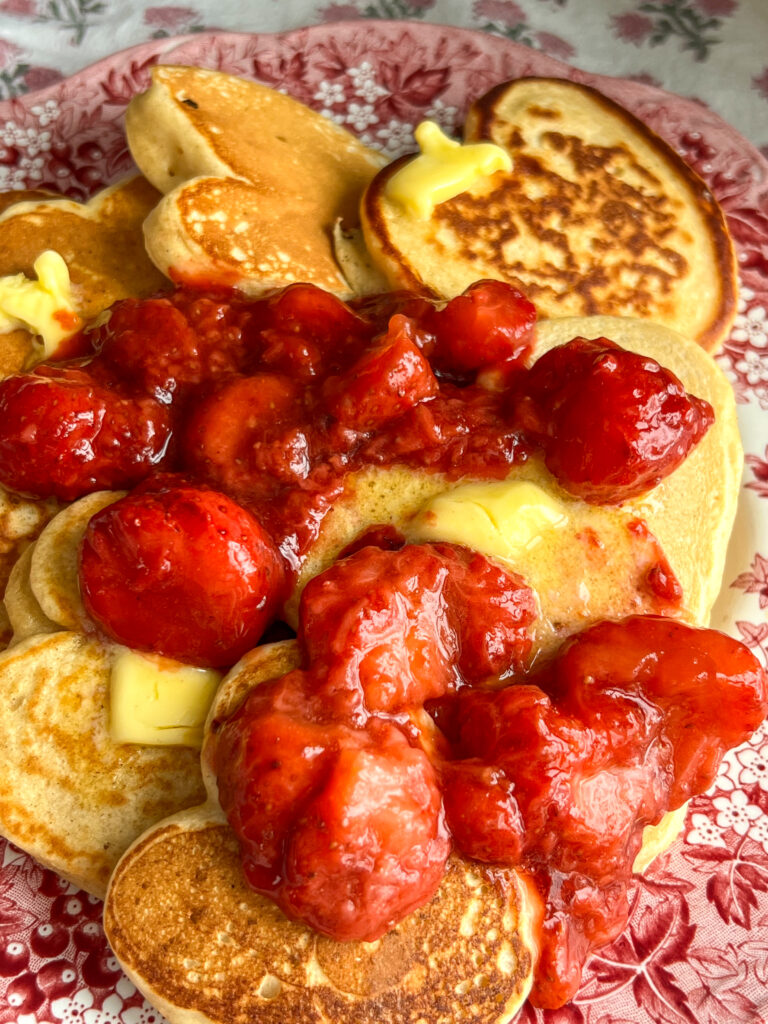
x: 341, y: 825
x: 612, y: 423
x: 63, y: 435
x: 490, y: 325
x: 383, y: 383
x: 182, y: 571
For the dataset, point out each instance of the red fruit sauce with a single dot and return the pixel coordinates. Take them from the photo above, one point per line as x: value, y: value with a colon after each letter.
x: 333, y: 782
x: 188, y: 558
x: 412, y: 725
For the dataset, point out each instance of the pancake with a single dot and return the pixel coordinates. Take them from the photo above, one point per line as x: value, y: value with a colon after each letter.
x: 254, y: 181
x: 43, y: 593
x: 21, y: 520
x: 201, y: 945
x: 24, y: 195
x: 597, y: 215
x: 69, y: 796
x: 53, y: 566
x: 56, y: 751
x: 690, y: 513
x: 25, y: 616
x: 100, y: 242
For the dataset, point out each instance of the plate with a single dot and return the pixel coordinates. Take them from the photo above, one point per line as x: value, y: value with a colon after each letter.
x: 696, y: 949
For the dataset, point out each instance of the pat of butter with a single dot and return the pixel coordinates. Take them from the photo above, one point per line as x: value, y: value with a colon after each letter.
x: 503, y: 519
x: 445, y: 168
x: 159, y: 702
x: 44, y: 306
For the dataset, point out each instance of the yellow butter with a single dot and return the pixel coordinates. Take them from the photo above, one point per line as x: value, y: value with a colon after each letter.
x: 44, y: 306
x: 159, y: 702
x: 445, y: 168
x: 502, y: 518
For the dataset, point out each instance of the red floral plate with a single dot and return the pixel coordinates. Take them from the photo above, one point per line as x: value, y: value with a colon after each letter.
x: 696, y: 949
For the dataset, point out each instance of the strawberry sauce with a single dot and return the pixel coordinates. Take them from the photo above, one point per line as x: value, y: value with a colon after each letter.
x: 413, y: 725
x: 346, y: 802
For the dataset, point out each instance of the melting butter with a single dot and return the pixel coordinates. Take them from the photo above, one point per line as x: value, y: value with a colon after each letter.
x: 445, y: 168
x: 502, y: 518
x: 159, y: 702
x: 44, y: 306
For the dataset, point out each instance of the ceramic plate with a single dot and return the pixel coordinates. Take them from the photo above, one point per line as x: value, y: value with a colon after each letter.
x: 696, y: 949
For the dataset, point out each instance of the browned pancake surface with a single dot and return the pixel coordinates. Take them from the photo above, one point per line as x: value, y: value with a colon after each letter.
x: 597, y: 216
x: 254, y: 180
x: 69, y: 795
x: 100, y: 241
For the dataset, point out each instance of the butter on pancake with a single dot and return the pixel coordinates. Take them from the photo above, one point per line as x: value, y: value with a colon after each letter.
x: 597, y: 215
x: 82, y: 771
x: 102, y: 246
x: 254, y: 181
x: 200, y: 944
x: 100, y: 241
x: 594, y: 566
x: 69, y: 795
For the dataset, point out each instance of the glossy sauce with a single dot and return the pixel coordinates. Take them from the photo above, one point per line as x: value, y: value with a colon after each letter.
x: 346, y: 803
x: 555, y: 773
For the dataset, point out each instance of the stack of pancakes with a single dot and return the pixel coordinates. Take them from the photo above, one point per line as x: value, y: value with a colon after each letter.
x: 253, y: 186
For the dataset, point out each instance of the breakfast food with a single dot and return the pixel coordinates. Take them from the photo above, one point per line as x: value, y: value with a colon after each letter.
x: 98, y: 245
x: 596, y: 215
x: 73, y: 793
x: 192, y: 935
x: 99, y: 241
x: 703, y: 490
x: 142, y: 557
x: 249, y: 432
x: 69, y: 794
x: 254, y: 181
x: 465, y: 952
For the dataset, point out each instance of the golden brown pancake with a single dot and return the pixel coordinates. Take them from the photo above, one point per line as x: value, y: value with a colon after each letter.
x: 69, y: 795
x: 254, y: 181
x: 576, y: 582
x: 53, y: 578
x: 24, y: 195
x: 100, y: 241
x: 102, y: 244
x: 597, y: 215
x: 200, y: 944
x: 21, y: 520
x: 25, y: 616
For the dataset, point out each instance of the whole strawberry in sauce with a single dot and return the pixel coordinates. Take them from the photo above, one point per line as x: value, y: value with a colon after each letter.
x: 64, y: 435
x: 490, y: 325
x: 184, y: 572
x: 323, y: 774
x: 612, y: 423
